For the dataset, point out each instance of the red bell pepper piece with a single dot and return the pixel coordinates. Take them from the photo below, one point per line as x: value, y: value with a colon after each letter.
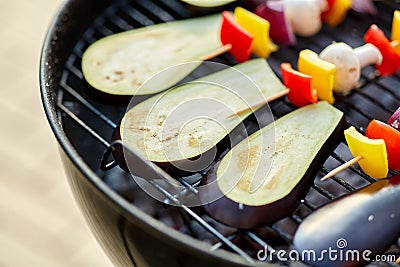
x: 234, y: 34
x: 326, y: 12
x: 262, y: 44
x: 299, y: 84
x: 380, y: 130
x: 391, y: 59
x: 394, y: 180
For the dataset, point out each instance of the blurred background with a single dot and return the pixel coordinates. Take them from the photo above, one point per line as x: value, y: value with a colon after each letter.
x: 40, y: 223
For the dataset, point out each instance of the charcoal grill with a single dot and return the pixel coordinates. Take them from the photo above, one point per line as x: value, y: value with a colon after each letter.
x: 134, y: 229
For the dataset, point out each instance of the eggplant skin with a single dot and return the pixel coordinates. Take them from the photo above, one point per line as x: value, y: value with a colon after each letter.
x: 172, y: 168
x: 243, y: 216
x: 366, y: 221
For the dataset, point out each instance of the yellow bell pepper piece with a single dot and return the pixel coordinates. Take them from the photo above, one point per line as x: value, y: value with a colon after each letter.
x: 374, y: 160
x: 322, y: 72
x: 338, y: 12
x: 258, y: 27
x: 395, y: 35
x: 395, y: 45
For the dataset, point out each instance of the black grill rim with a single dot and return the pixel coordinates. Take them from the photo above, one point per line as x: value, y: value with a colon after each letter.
x: 53, y: 57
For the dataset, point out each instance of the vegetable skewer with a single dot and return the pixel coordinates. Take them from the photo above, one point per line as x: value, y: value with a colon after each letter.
x: 377, y: 132
x: 391, y: 58
x: 267, y: 100
x: 234, y: 38
x: 344, y: 70
x: 342, y: 167
x: 299, y: 91
x: 320, y: 75
x: 244, y: 33
x: 369, y: 153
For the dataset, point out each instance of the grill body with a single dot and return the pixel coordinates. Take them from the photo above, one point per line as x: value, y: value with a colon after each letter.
x: 130, y: 236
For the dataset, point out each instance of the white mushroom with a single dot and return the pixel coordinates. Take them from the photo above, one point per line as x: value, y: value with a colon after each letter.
x: 348, y: 62
x: 368, y: 54
x: 305, y: 15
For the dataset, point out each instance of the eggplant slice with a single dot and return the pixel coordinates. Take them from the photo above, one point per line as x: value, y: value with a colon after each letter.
x: 264, y: 177
x: 351, y: 230
x: 180, y: 128
x: 120, y: 64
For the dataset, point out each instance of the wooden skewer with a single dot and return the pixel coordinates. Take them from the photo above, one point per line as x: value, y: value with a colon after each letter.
x: 269, y: 99
x: 220, y: 51
x: 341, y: 168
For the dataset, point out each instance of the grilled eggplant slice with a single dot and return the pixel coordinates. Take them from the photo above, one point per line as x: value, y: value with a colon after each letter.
x: 120, y: 64
x: 354, y: 228
x: 179, y: 129
x: 284, y: 167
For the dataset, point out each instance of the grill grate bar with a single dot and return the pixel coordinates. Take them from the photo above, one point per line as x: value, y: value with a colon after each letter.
x: 151, y: 7
x: 83, y: 125
x: 339, y: 180
x: 177, y: 9
x: 188, y: 185
x: 87, y: 105
x: 138, y: 17
x: 387, y: 90
x: 204, y: 224
x: 383, y: 107
x: 73, y: 69
x: 296, y: 219
x: 288, y: 238
x: 263, y: 245
x: 308, y: 204
x: 349, y: 104
x: 220, y: 244
x: 323, y: 192
x: 103, y: 30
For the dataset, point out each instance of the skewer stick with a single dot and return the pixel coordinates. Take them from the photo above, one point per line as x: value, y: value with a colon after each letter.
x: 265, y: 101
x: 341, y: 168
x: 223, y: 49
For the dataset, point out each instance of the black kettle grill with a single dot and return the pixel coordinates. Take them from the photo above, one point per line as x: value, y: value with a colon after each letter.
x: 136, y: 230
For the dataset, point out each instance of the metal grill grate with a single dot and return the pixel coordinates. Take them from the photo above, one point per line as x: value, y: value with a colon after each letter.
x: 86, y: 118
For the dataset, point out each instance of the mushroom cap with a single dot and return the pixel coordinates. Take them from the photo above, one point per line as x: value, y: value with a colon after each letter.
x: 304, y: 16
x: 347, y: 66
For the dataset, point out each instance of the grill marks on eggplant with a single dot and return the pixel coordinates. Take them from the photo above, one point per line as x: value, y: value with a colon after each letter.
x: 303, y: 140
